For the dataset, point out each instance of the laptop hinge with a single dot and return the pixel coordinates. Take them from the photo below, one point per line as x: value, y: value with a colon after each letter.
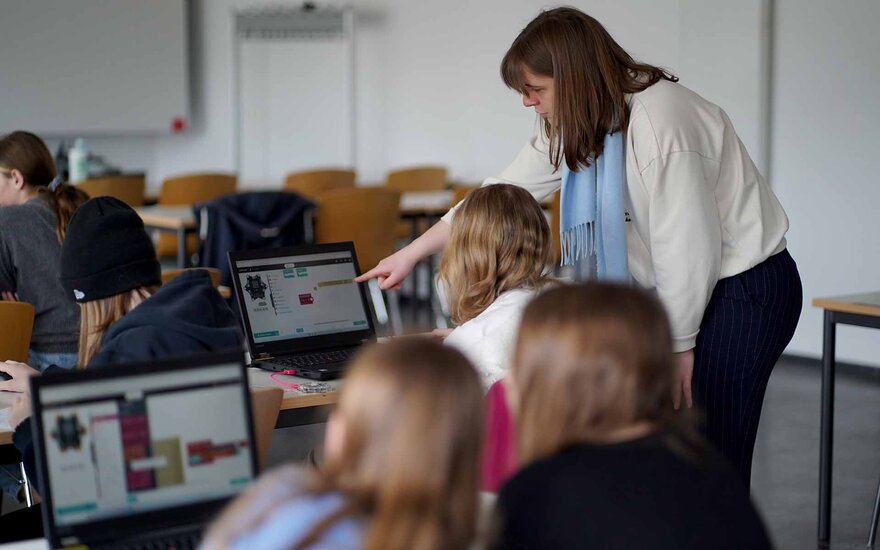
x: 263, y: 357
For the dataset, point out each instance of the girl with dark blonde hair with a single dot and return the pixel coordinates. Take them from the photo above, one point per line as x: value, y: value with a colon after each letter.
x: 610, y: 463
x: 656, y: 187
x: 400, y: 470
x: 498, y: 257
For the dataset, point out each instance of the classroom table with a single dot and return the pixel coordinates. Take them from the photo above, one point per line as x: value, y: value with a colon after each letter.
x: 860, y: 310
x: 179, y: 219
x: 297, y: 408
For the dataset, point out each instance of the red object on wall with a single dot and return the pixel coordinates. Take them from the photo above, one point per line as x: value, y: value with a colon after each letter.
x: 178, y: 124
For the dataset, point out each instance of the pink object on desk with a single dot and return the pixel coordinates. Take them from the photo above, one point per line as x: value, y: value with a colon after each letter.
x: 499, y: 446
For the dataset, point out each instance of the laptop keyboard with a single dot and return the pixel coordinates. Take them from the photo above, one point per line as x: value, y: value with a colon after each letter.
x: 315, y: 359
x: 181, y: 541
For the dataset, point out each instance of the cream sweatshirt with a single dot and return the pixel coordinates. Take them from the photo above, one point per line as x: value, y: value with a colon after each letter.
x: 698, y: 209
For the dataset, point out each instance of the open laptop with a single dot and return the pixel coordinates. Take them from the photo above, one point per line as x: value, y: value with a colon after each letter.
x: 141, y: 454
x: 302, y: 311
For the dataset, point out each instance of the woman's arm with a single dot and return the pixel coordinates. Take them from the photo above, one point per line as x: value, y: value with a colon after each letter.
x: 393, y: 270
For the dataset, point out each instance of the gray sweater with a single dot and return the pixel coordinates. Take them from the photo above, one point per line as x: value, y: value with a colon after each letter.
x: 30, y: 262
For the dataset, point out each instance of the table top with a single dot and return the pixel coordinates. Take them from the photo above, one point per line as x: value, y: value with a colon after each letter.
x: 412, y: 203
x: 257, y: 378
x: 864, y: 304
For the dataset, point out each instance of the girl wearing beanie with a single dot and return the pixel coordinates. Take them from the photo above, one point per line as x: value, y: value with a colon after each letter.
x: 36, y: 208
x: 109, y: 267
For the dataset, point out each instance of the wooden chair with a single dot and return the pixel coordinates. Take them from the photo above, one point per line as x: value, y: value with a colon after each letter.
x: 265, y: 406
x: 128, y: 189
x: 191, y: 189
x: 459, y: 192
x: 419, y: 178
x: 367, y: 216
x: 312, y: 183
x: 17, y: 320
x: 169, y: 274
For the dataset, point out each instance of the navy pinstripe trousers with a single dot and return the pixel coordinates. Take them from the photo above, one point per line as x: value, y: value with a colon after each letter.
x: 749, y: 321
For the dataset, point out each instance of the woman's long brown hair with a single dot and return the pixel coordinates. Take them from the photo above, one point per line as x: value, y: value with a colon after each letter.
x: 592, y: 75
x: 408, y: 465
x: 500, y: 241
x: 590, y: 361
x: 27, y: 153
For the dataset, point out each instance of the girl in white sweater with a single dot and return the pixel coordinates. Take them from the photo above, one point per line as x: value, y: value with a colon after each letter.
x: 498, y: 256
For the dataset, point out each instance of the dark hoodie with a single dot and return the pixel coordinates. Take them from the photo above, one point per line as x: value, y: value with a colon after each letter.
x: 185, y: 316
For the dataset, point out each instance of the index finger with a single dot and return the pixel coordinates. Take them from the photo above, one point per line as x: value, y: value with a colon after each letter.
x: 371, y: 274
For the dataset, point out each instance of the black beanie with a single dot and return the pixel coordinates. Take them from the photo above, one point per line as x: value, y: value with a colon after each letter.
x: 106, y: 251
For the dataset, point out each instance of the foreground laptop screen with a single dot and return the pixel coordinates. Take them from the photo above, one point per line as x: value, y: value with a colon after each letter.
x: 300, y: 296
x: 133, y: 444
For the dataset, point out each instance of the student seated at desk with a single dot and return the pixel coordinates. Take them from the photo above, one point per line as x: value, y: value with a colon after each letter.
x: 613, y: 465
x: 400, y: 469
x: 498, y: 257
x: 35, y: 208
x: 109, y: 267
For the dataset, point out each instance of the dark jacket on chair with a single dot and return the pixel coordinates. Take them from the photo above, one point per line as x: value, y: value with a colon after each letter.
x: 248, y: 221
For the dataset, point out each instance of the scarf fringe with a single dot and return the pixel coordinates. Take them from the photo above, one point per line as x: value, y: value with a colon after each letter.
x: 578, y: 242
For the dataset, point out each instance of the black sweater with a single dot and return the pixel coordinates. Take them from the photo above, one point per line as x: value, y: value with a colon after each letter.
x: 638, y: 494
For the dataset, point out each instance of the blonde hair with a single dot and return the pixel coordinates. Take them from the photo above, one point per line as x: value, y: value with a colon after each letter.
x: 97, y: 316
x: 500, y: 241
x: 590, y: 360
x: 408, y: 461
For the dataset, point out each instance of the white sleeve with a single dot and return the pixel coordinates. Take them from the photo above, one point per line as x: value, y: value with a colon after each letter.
x: 685, y: 229
x: 531, y: 170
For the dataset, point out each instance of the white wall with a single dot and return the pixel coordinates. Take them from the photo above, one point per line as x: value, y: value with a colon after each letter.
x: 825, y: 157
x: 428, y: 90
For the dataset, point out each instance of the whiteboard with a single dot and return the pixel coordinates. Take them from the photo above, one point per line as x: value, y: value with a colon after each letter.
x: 93, y: 67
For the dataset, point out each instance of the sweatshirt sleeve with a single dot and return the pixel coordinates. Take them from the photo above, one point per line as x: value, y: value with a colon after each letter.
x: 531, y: 170
x: 685, y: 229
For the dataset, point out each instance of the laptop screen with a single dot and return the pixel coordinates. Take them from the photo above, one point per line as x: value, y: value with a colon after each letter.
x: 301, y: 296
x: 132, y: 444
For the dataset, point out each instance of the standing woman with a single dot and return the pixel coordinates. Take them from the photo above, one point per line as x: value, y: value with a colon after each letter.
x: 656, y: 186
x: 35, y: 208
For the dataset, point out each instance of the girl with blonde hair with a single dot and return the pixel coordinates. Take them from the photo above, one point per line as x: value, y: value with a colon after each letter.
x: 498, y: 257
x: 397, y: 475
x: 612, y: 464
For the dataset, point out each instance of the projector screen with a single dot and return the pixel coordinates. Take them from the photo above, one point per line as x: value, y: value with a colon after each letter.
x: 94, y: 67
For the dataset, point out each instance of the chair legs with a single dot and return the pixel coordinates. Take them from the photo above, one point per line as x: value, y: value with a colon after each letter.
x: 28, y: 497
x: 872, y: 533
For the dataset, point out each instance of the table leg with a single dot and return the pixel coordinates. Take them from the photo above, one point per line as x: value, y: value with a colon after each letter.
x: 826, y: 443
x: 181, y: 249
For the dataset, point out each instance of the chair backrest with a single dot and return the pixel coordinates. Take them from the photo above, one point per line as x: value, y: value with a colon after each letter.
x: 17, y: 320
x: 366, y: 215
x: 168, y: 274
x: 312, y: 183
x: 194, y: 188
x: 265, y: 406
x: 420, y: 178
x: 128, y: 189
x: 459, y: 192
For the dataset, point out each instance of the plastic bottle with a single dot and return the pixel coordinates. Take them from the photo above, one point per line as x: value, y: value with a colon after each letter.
x: 78, y: 161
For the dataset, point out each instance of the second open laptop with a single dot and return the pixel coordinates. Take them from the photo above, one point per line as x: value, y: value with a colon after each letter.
x: 302, y: 311
x: 141, y: 455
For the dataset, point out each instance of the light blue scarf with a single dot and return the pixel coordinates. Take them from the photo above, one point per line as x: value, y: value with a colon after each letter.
x: 592, y: 212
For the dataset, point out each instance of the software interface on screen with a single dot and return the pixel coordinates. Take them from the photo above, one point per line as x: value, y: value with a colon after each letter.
x: 300, y: 296
x: 134, y: 444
